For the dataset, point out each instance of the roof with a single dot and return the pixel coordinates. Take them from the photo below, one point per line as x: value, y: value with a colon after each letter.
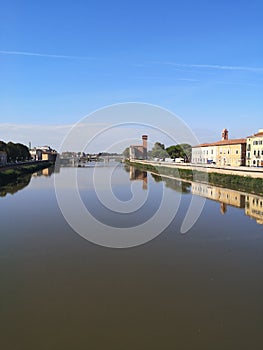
x: 256, y: 135
x: 222, y: 143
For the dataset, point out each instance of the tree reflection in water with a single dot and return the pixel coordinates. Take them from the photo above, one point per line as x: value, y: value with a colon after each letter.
x: 23, y: 181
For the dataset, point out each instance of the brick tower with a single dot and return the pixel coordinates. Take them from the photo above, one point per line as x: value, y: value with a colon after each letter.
x: 224, y: 134
x: 144, y: 145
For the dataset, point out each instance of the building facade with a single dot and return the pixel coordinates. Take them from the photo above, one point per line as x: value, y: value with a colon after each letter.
x: 204, y: 154
x: 139, y: 151
x: 254, y: 153
x: 232, y: 153
x: 43, y: 153
x: 223, y: 153
x: 49, y: 156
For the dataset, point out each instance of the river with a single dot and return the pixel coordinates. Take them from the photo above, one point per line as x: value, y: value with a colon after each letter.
x: 198, y: 290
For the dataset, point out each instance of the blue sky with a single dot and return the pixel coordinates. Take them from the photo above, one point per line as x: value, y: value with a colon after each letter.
x: 61, y: 60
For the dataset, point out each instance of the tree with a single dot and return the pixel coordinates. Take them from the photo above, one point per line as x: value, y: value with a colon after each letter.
x: 186, y: 151
x: 15, y: 150
x: 180, y: 151
x: 158, y: 151
x: 173, y: 151
x: 126, y: 152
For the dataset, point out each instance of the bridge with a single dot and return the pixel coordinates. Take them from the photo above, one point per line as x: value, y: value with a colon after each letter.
x: 74, y: 161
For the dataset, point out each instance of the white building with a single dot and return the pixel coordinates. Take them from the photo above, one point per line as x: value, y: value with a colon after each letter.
x: 254, y: 156
x: 204, y: 154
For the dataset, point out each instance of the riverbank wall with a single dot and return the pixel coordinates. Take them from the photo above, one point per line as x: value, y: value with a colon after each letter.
x: 227, y: 170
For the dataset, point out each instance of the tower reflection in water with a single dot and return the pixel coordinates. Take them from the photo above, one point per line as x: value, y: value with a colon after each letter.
x: 136, y: 174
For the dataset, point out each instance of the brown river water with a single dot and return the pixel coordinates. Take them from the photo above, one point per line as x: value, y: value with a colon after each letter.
x: 198, y: 290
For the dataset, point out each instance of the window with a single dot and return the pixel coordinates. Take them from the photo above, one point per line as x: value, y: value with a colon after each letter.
x: 237, y: 151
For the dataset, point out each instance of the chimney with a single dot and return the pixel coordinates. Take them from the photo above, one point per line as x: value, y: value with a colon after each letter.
x: 144, y: 144
x: 224, y: 135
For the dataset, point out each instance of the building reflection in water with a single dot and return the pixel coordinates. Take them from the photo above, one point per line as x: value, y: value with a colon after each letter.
x: 223, y: 195
x: 254, y: 207
x: 136, y: 174
x: 47, y: 171
x: 252, y: 204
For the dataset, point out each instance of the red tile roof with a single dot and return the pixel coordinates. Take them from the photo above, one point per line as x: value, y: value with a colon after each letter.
x: 223, y: 143
x: 256, y: 135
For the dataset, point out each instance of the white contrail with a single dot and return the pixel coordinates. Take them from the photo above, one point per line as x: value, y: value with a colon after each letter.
x: 24, y: 53
x: 213, y: 66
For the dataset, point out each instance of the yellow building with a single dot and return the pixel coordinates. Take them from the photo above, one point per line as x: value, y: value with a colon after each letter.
x: 50, y: 156
x: 231, y: 152
x: 224, y: 152
x: 255, y: 149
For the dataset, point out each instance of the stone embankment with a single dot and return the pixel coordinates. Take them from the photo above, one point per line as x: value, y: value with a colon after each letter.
x: 226, y: 170
x: 23, y: 164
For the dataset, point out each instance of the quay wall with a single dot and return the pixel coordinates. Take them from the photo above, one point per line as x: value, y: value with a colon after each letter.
x: 226, y: 170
